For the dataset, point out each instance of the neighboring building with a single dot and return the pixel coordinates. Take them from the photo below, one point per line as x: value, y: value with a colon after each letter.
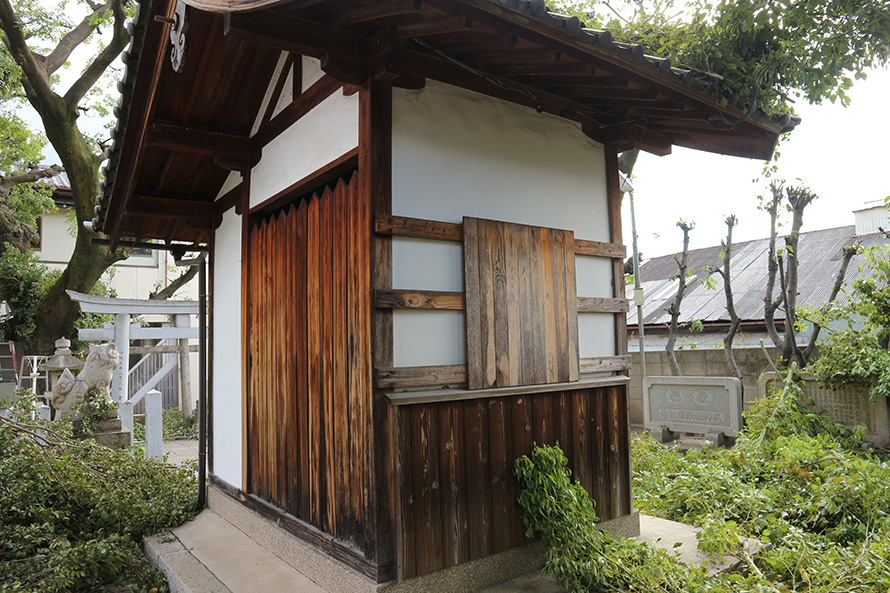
x: 819, y: 253
x: 143, y: 272
x: 413, y: 215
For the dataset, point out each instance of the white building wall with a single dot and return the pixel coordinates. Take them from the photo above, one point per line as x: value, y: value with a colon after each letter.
x: 457, y: 153
x: 226, y: 302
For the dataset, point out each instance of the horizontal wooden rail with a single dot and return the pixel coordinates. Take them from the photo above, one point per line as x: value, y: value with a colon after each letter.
x: 455, y: 376
x: 602, y: 305
x: 600, y: 249
x: 453, y: 231
x: 455, y: 301
x: 419, y: 299
x: 605, y: 364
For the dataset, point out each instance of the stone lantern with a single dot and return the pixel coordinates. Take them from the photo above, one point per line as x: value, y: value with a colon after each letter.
x: 58, y: 362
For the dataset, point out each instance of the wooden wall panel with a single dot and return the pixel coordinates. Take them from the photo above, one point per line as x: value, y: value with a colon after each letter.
x: 309, y: 384
x: 457, y: 492
x: 521, y: 301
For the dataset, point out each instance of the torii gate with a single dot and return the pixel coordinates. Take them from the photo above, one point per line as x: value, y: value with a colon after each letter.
x: 122, y: 332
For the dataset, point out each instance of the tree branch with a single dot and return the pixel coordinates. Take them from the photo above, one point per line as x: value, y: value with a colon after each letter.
x: 849, y: 252
x: 181, y: 281
x: 674, y: 308
x: 34, y: 174
x: 73, y: 38
x: 119, y: 41
x: 32, y: 64
x: 734, y: 320
x: 769, y: 305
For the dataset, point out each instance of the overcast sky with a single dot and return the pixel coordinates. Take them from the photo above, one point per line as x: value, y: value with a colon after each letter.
x: 839, y: 152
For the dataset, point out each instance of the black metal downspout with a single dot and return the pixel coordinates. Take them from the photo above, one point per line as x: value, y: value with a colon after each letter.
x: 202, y: 383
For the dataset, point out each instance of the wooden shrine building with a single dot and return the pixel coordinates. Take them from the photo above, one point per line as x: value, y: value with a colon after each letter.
x: 413, y: 214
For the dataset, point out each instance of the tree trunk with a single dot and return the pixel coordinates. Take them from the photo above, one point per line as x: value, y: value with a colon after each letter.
x: 734, y: 320
x: 674, y: 309
x: 88, y: 262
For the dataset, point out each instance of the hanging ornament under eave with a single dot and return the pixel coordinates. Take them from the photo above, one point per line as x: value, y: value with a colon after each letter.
x: 177, y: 35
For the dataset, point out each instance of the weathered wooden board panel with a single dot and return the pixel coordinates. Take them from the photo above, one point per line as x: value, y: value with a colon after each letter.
x: 455, y: 468
x: 309, y: 379
x: 522, y: 325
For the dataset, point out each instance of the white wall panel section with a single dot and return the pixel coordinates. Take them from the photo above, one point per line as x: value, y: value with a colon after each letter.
x: 267, y: 98
x: 319, y: 137
x: 227, y: 350
x: 231, y: 182
x: 457, y: 153
x: 420, y: 264
x: 427, y: 338
x: 596, y: 335
x: 593, y: 276
x: 311, y: 72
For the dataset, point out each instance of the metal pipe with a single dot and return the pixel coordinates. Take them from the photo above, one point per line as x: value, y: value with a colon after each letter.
x: 202, y: 383
x: 638, y: 289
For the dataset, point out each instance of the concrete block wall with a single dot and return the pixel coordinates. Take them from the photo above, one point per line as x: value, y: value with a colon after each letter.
x: 700, y: 362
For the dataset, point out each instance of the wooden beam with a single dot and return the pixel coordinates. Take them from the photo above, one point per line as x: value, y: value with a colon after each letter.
x: 373, y: 11
x: 605, y: 364
x: 295, y: 34
x: 435, y: 27
x: 598, y: 249
x: 348, y: 71
x: 415, y: 227
x: 196, y: 141
x: 229, y: 199
x: 613, y: 194
x: 602, y: 305
x: 429, y: 376
x: 155, y: 207
x: 419, y: 299
x: 641, y: 137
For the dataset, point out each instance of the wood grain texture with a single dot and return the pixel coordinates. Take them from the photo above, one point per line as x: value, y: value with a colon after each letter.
x: 309, y: 373
x: 425, y: 376
x: 605, y: 364
x: 418, y: 228
x: 418, y: 299
x: 602, y: 305
x: 599, y: 249
x: 459, y: 502
x: 613, y: 193
x: 522, y: 326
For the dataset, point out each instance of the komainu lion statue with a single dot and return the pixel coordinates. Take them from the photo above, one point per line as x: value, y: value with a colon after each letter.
x: 97, y: 372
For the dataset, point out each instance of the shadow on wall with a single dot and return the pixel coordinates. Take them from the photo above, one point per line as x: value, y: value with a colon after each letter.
x: 702, y: 362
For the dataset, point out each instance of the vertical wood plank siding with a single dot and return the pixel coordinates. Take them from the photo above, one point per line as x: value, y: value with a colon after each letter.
x: 457, y: 489
x: 308, y: 369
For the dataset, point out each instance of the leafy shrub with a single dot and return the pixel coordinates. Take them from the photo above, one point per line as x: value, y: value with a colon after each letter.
x: 72, y: 513
x: 854, y: 358
x: 175, y: 426
x: 794, y: 480
x: 94, y: 409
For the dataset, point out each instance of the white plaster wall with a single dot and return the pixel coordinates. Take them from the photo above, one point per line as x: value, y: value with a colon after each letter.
x: 321, y: 136
x: 226, y: 299
x: 457, y: 153
x: 312, y: 72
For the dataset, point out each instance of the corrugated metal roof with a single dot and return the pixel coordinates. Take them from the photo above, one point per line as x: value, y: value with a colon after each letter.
x: 820, y: 255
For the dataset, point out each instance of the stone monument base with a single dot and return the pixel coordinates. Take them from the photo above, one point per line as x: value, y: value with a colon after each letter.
x: 111, y: 433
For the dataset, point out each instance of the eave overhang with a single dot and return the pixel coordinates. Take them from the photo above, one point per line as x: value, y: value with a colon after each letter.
x: 171, y: 125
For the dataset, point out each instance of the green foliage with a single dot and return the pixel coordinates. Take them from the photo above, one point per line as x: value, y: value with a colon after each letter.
x: 854, y: 358
x: 765, y: 53
x: 24, y: 282
x: 94, y: 409
x: 794, y: 480
x: 72, y: 513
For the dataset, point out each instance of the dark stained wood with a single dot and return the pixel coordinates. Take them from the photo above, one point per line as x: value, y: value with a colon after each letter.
x: 375, y: 11
x: 309, y: 369
x: 435, y: 27
x: 602, y: 305
x: 169, y: 207
x: 418, y: 299
x: 527, y: 303
x: 295, y: 35
x: 229, y: 199
x: 196, y: 141
x: 415, y: 227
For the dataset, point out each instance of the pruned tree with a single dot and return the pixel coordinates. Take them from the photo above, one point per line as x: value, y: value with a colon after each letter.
x: 783, y: 266
x: 734, y: 321
x: 682, y: 260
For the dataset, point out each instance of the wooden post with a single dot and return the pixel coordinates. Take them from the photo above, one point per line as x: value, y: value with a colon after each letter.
x: 185, y: 376
x: 120, y: 383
